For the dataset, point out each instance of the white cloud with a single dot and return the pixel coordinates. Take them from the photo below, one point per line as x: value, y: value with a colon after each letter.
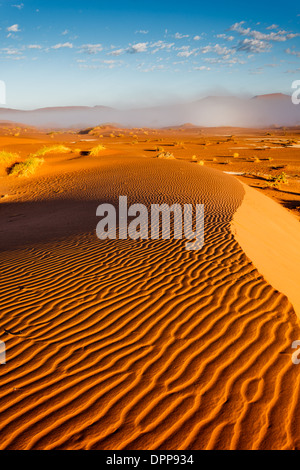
x: 91, y: 48
x: 202, y: 67
x: 217, y: 49
x: 161, y: 45
x: 224, y: 36
x: 296, y: 53
x: 253, y: 45
x: 181, y: 36
x: 141, y: 31
x: 116, y: 52
x: 186, y: 53
x: 225, y: 60
x: 34, y: 46
x: 67, y: 45
x: 11, y: 51
x: 279, y: 36
x: 13, y: 29
x: 273, y: 26
x: 132, y: 49
x: 20, y: 6
x: 152, y: 68
x: 136, y: 48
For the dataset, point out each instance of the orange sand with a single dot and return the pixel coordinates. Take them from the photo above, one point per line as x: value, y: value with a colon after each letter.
x: 270, y: 236
x: 139, y: 344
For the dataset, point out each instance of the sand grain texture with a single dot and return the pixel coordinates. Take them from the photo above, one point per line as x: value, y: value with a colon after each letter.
x: 139, y: 344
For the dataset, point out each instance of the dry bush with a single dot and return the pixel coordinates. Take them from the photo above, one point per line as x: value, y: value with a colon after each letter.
x: 52, y: 149
x: 26, y: 168
x: 96, y: 151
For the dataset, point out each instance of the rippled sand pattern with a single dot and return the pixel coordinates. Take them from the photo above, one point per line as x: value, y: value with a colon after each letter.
x: 143, y: 344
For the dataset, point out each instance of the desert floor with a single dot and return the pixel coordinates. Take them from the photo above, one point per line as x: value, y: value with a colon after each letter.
x: 124, y: 344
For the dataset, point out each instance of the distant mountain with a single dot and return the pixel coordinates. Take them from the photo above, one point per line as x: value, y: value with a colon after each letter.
x: 271, y: 96
x: 213, y: 111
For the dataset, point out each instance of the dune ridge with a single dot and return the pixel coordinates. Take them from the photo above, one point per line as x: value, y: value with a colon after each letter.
x: 129, y: 344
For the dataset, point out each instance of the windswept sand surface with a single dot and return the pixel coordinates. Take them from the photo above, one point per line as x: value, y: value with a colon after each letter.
x: 270, y: 236
x: 139, y: 344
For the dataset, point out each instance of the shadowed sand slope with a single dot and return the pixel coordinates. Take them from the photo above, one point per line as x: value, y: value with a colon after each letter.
x: 128, y: 344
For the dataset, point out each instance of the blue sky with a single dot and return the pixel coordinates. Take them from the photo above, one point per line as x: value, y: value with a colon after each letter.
x: 135, y: 53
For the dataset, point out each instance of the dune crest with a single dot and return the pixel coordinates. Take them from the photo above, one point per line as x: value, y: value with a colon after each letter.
x: 270, y: 237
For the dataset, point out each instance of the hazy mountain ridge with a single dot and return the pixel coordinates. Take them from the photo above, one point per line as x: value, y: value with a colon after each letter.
x: 260, y: 111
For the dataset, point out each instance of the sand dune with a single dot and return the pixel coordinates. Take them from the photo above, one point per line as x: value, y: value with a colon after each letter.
x: 270, y: 236
x: 139, y: 344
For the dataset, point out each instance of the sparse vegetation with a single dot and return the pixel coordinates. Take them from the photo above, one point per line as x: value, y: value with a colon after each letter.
x: 26, y: 168
x: 166, y: 155
x: 96, y: 151
x: 8, y: 158
x: 53, y: 149
x: 277, y: 180
x: 236, y: 155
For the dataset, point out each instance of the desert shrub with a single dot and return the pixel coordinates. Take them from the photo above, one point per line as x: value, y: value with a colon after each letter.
x: 26, y: 168
x: 166, y: 155
x: 52, y: 149
x: 201, y: 162
x: 8, y: 157
x: 275, y: 181
x: 96, y: 151
x: 236, y: 155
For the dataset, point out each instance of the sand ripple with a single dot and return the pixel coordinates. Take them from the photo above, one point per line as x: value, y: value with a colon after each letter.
x: 141, y: 344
